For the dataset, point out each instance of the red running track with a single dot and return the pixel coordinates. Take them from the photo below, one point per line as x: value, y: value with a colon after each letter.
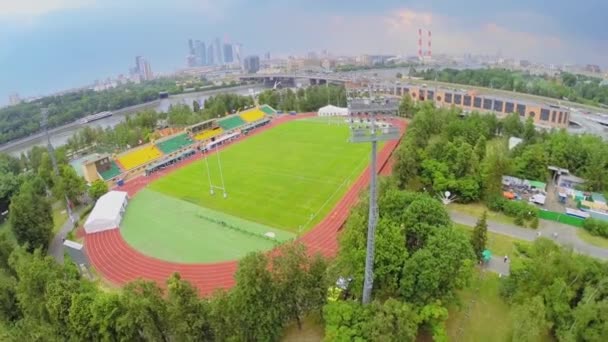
x: 119, y: 263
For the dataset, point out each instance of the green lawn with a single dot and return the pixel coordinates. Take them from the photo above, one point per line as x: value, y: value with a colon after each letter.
x: 60, y: 215
x: 174, y: 230
x: 288, y: 177
x: 592, y: 239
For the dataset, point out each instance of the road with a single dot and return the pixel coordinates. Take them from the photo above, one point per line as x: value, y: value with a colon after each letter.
x: 566, y: 235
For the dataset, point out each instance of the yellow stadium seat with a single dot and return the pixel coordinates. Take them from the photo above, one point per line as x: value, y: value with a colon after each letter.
x: 252, y: 115
x: 140, y: 156
x: 208, y: 134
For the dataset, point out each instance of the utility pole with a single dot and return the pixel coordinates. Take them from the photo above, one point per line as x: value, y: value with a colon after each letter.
x: 51, y: 151
x: 363, y: 114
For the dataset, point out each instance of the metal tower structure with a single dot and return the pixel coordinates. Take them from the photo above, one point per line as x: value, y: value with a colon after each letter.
x: 363, y: 109
x: 51, y: 151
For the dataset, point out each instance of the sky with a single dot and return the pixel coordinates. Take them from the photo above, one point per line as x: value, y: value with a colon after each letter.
x: 52, y: 45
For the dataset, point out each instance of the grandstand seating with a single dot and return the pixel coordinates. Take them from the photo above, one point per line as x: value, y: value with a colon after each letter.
x: 139, y: 157
x: 112, y: 172
x: 231, y: 123
x: 268, y: 110
x: 208, y: 134
x: 175, y: 143
x: 252, y: 115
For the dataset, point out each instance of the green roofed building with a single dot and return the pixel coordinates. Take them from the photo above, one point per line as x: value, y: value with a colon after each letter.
x: 268, y: 110
x: 175, y: 143
x: 111, y: 172
x: 231, y: 123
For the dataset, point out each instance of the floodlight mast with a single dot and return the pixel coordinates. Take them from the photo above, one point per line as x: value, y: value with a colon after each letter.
x: 371, y: 105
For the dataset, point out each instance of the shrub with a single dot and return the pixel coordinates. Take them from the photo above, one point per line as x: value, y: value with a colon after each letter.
x: 596, y: 227
x: 534, y: 222
x: 496, y: 203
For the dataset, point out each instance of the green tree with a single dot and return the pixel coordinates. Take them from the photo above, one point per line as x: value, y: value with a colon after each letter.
x: 255, y: 300
x: 97, y: 189
x: 196, y: 106
x: 45, y: 171
x: 421, y: 218
x: 529, y: 320
x: 529, y: 132
x: 69, y: 184
x: 298, y: 282
x: 188, y: 316
x: 389, y: 321
x: 406, y: 107
x: 34, y: 273
x: 31, y: 218
x: 512, y: 125
x: 479, y: 238
x: 435, y: 272
x: 146, y: 310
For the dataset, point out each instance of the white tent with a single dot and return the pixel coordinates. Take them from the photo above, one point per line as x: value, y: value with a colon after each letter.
x: 331, y: 110
x: 107, y: 212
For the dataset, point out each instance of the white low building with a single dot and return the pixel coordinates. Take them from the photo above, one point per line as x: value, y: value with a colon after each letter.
x: 331, y: 110
x: 107, y: 213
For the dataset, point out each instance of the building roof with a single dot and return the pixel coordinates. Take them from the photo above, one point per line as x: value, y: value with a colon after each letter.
x: 107, y: 212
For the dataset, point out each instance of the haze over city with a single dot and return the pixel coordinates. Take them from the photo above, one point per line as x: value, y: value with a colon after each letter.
x: 47, y: 46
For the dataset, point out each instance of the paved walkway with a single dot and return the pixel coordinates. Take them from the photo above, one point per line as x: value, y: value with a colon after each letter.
x: 56, y: 246
x: 566, y: 234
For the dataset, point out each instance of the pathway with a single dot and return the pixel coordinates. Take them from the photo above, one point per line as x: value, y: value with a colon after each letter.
x: 566, y: 234
x: 56, y: 246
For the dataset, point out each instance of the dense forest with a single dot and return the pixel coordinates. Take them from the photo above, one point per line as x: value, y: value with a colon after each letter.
x: 576, y: 88
x: 24, y: 119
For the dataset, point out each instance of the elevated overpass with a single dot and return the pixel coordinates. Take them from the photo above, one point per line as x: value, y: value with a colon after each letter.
x: 287, y: 79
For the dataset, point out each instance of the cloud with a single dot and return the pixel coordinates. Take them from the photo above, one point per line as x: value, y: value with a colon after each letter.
x: 34, y: 8
x: 396, y: 32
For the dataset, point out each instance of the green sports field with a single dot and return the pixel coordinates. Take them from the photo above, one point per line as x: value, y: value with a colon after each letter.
x: 287, y: 177
x: 282, y: 181
x: 171, y: 229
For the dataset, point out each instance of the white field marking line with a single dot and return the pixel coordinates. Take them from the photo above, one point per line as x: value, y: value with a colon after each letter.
x: 296, y: 176
x: 346, y: 180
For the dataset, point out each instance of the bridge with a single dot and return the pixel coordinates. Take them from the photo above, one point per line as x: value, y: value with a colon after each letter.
x: 287, y: 79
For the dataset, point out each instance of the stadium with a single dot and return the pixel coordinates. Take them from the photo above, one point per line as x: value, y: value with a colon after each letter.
x: 198, y: 200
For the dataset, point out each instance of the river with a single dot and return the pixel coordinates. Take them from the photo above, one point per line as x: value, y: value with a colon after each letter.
x: 60, y: 135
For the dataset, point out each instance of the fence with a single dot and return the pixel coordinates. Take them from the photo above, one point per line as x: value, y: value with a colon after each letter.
x: 561, y: 218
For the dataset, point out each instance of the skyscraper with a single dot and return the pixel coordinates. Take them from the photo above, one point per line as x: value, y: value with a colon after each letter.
x: 210, y: 55
x: 228, y: 53
x: 201, y: 53
x: 190, y: 46
x: 143, y: 69
x: 217, y: 48
x: 252, y: 64
x: 238, y: 54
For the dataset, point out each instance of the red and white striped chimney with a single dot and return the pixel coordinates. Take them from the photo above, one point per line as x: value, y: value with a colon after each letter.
x: 420, y: 43
x: 428, y: 52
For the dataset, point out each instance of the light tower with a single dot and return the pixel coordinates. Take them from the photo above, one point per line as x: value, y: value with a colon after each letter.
x: 363, y: 109
x: 51, y: 150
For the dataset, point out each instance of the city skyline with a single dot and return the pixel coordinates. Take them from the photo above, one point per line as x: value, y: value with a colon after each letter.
x: 47, y: 47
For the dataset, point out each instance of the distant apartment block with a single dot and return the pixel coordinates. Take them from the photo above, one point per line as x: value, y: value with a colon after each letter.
x: 469, y: 101
x: 14, y: 99
x: 252, y: 64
